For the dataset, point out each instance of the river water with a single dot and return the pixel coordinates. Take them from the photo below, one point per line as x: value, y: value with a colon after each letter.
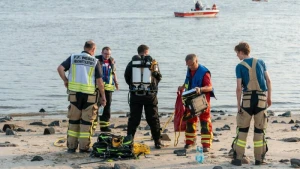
x: 36, y: 36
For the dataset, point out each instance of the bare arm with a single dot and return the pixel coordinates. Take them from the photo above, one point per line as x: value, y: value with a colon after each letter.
x: 116, y: 81
x: 100, y: 85
x: 61, y: 72
x: 239, y: 93
x: 269, y: 85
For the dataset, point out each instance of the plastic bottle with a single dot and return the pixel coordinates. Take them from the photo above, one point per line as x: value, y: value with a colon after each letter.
x: 100, y: 110
x: 199, y: 155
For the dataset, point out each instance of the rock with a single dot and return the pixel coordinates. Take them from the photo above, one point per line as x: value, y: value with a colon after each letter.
x: 121, y: 166
x: 223, y: 149
x: 295, y: 162
x: 291, y: 122
x: 217, y: 134
x: 54, y: 123
x: 8, y: 126
x: 112, y: 126
x: 218, y: 118
x: 245, y: 160
x: 38, y: 123
x: 49, y: 130
x: 270, y: 113
x: 42, y: 110
x: 30, y: 130
x: 64, y: 121
x: 105, y: 166
x: 297, y: 121
x: 284, y: 160
x: 37, y: 158
x: 248, y: 147
x: 222, y: 114
x: 294, y: 128
x: 122, y: 126
x: 230, y: 115
x: 226, y: 127
x: 268, y: 138
x: 20, y: 129
x: 9, y: 132
x: 283, y: 122
x: 147, y: 127
x: 218, y: 129
x: 217, y: 167
x: 165, y: 131
x: 297, y: 125
x: 287, y: 114
x: 292, y: 139
x: 147, y: 134
x: 8, y: 144
x: 275, y: 121
x: 5, y: 119
x: 216, y: 140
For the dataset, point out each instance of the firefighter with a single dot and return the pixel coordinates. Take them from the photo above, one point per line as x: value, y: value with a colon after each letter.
x: 84, y: 74
x: 198, y: 77
x: 142, y: 75
x: 254, y: 89
x: 110, y: 84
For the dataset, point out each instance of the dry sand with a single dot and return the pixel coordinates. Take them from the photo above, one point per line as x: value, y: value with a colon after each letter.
x: 30, y: 144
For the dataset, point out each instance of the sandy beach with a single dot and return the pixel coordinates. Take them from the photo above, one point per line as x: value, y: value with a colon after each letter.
x: 18, y: 150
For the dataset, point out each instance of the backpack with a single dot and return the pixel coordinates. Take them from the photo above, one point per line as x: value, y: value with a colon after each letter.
x: 113, y: 146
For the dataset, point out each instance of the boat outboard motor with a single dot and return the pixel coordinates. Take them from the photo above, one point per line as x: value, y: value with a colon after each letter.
x: 141, y: 75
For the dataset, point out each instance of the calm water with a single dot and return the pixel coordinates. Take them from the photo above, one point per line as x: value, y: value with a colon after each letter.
x: 36, y: 36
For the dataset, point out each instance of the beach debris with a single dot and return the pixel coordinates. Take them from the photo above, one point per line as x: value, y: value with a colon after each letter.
x: 38, y: 123
x: 292, y: 121
x: 9, y: 132
x: 42, y: 110
x: 275, y: 121
x: 54, y: 123
x: 37, y: 158
x: 291, y: 139
x: 295, y: 163
x: 5, y: 119
x: 181, y: 152
x: 286, y: 114
x: 8, y: 144
x: 49, y: 130
x: 284, y: 160
x: 270, y: 113
x: 217, y: 167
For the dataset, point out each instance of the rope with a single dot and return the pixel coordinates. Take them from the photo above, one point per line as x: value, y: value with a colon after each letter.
x: 176, y: 138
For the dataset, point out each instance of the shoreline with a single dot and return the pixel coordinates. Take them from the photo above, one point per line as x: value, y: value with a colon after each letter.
x: 30, y: 144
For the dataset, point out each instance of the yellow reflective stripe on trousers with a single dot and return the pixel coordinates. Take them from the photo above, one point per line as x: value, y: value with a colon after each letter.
x: 206, y: 141
x: 84, y: 135
x: 240, y: 143
x: 206, y: 136
x: 73, y: 133
x: 90, y: 81
x: 259, y: 143
x: 104, y: 124
x: 192, y: 139
x: 73, y: 72
x: 191, y: 134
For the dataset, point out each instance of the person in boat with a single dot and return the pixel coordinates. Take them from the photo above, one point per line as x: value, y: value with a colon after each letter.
x: 198, y: 6
x: 253, y: 93
x: 198, y: 77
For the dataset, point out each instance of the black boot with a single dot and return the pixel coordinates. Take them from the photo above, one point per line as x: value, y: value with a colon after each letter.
x: 158, y: 144
x: 236, y: 162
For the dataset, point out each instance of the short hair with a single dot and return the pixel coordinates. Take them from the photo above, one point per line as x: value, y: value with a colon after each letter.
x: 244, y: 47
x: 106, y: 48
x: 89, y: 45
x: 192, y: 57
x: 142, y: 49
